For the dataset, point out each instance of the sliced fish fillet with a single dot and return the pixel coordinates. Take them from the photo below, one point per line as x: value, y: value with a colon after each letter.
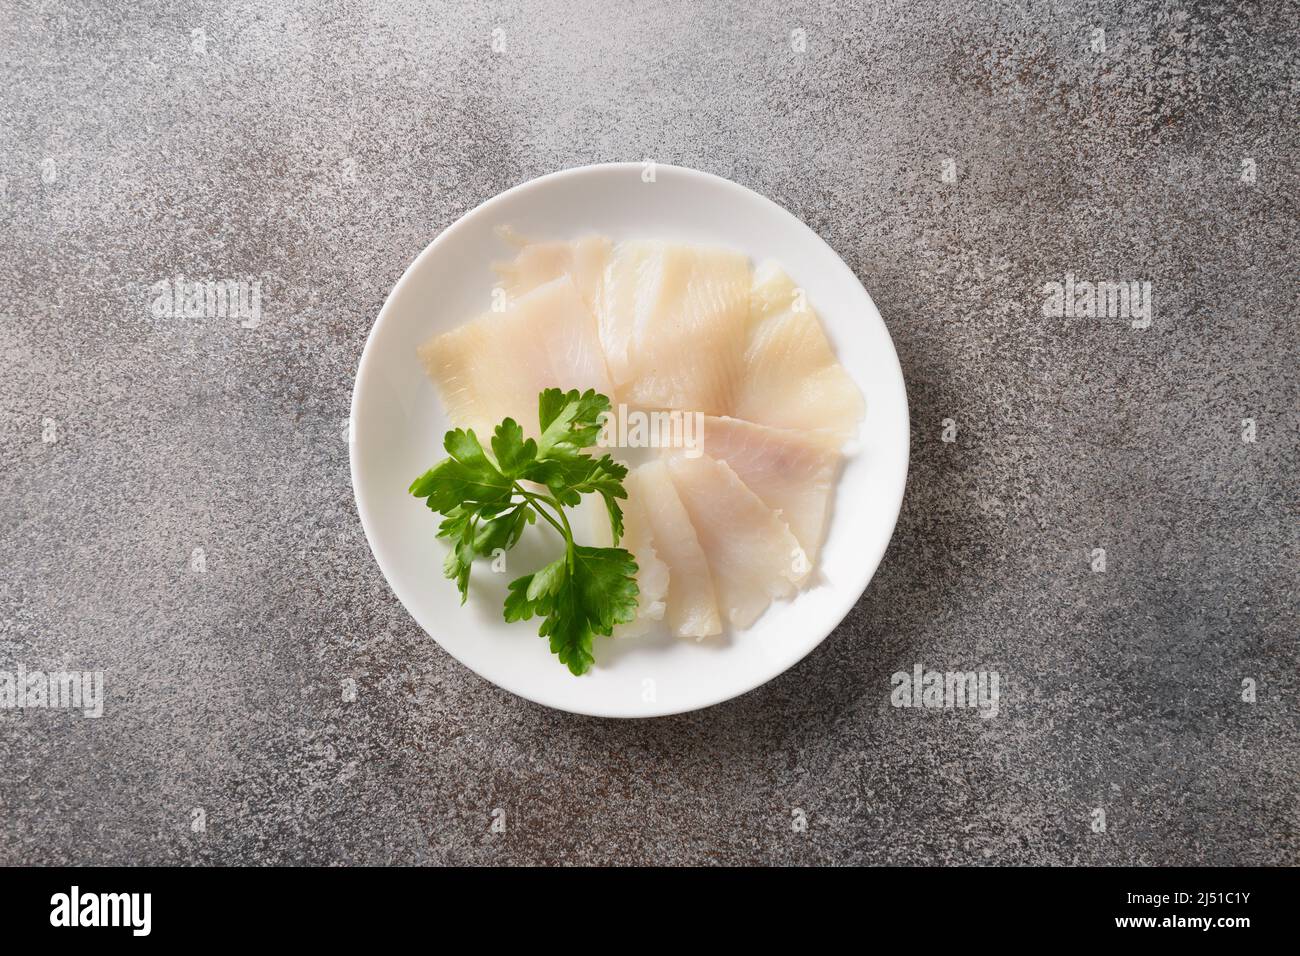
x: 752, y: 554
x: 537, y: 263
x: 672, y: 322
x: 692, y: 609
x: 652, y: 574
x: 790, y: 377
x: 496, y: 365
x: 793, y: 472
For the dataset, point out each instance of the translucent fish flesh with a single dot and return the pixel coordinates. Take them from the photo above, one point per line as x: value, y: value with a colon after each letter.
x: 537, y: 263
x: 495, y: 366
x: 752, y: 555
x: 793, y: 472
x: 652, y: 575
x: 790, y: 376
x: 692, y: 609
x: 672, y: 322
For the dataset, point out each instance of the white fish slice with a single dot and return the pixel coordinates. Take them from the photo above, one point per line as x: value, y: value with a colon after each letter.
x: 496, y: 365
x: 752, y: 554
x: 692, y: 608
x: 537, y: 263
x: 672, y: 322
x: 793, y: 472
x: 790, y: 376
x: 652, y: 576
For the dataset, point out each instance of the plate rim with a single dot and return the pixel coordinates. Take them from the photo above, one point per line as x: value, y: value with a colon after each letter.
x: 899, y: 382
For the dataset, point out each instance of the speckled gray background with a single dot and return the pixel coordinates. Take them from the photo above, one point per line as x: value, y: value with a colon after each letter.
x: 319, y: 146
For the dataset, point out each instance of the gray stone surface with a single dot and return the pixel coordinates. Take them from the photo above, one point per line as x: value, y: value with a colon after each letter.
x: 318, y: 146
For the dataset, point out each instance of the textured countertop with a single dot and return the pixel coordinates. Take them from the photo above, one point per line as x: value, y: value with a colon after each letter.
x: 177, y: 511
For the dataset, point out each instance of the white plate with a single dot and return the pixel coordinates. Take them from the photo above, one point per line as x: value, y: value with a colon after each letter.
x: 398, y: 423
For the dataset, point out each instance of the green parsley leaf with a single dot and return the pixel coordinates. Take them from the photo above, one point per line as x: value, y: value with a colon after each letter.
x: 513, y: 453
x: 468, y: 476
x: 571, y: 421
x: 504, y: 531
x: 461, y: 556
x: 590, y: 596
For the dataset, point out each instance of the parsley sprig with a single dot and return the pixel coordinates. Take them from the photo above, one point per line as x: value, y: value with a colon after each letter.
x: 485, y: 507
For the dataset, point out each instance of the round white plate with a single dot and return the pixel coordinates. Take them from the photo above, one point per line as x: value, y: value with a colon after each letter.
x: 398, y: 423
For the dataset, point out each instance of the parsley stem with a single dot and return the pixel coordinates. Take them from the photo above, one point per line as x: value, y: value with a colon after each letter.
x: 535, y: 500
x: 568, y: 538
